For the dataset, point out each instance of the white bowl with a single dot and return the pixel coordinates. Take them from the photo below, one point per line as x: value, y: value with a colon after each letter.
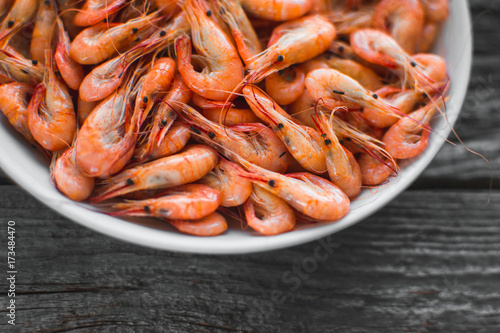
x: 26, y: 166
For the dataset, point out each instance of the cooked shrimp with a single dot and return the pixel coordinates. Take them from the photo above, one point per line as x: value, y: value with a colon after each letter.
x: 231, y: 116
x: 374, y: 171
x: 51, y: 114
x: 42, y: 31
x: 94, y: 11
x: 184, y: 202
x: 71, y: 71
x: 14, y: 100
x: 17, y: 67
x: 226, y: 178
x: 436, y: 11
x: 223, y: 70
x: 191, y: 164
x: 286, y: 85
x: 69, y: 179
x: 211, y: 225
x: 174, y: 140
x: 348, y: 22
x: 429, y: 34
x: 433, y: 66
x: 267, y: 213
x: 84, y: 109
x: 261, y: 146
x: 291, y: 43
x: 410, y: 135
x: 331, y: 87
x: 342, y: 166
x: 277, y: 10
x: 99, y: 42
x: 19, y: 15
x: 303, y: 143
x: 247, y: 41
x: 404, y: 19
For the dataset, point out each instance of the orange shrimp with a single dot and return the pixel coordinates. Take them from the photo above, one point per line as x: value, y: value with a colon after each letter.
x: 436, y: 11
x: 71, y: 71
x: 226, y: 178
x: 404, y: 19
x: 191, y: 164
x: 184, y: 202
x: 42, y: 31
x: 286, y: 86
x: 348, y: 22
x: 309, y: 194
x: 84, y: 109
x: 374, y: 171
x: 231, y: 116
x: 245, y: 37
x: 14, y: 100
x: 107, y: 135
x: 331, y: 87
x: 261, y: 146
x: 277, y: 10
x: 68, y: 178
x: 410, y: 135
x: 99, y: 42
x: 267, y: 213
x: 291, y: 43
x: 303, y: 109
x: 211, y: 225
x: 342, y: 167
x: 94, y: 11
x: 224, y: 70
x: 302, y: 142
x: 429, y: 34
x: 17, y: 67
x: 51, y: 114
x: 174, y: 140
x: 433, y: 66
x: 19, y: 15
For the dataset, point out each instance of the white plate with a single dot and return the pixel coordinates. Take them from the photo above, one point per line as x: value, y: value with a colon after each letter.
x: 25, y: 166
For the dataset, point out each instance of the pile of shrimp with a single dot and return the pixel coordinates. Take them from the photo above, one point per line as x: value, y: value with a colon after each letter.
x: 274, y: 113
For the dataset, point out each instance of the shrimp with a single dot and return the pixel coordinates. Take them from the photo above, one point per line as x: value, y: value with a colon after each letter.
x: 211, y: 225
x: 14, y: 99
x: 433, y: 66
x: 262, y: 147
x: 364, y: 75
x: 277, y: 10
x: 331, y: 87
x: 19, y: 68
x: 436, y: 11
x: 342, y: 167
x: 226, y: 178
x: 429, y: 34
x: 71, y: 71
x: 348, y: 22
x: 84, y: 109
x: 107, y: 135
x: 99, y: 42
x: 285, y: 86
x: 19, y: 15
x: 245, y: 37
x: 374, y: 171
x: 404, y: 19
x: 164, y: 118
x: 68, y: 178
x: 184, y: 202
x: 174, y: 140
x: 302, y: 142
x: 94, y: 11
x: 204, y: 103
x: 51, y: 114
x: 377, y: 47
x: 267, y: 213
x: 42, y: 31
x: 410, y: 135
x: 223, y: 71
x: 309, y: 194
x: 291, y: 43
x: 193, y: 163
x: 231, y: 116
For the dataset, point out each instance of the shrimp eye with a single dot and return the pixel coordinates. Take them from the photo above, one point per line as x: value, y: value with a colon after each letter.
x: 130, y: 182
x: 145, y: 99
x: 209, y: 13
x: 328, y: 141
x: 137, y: 39
x: 134, y: 30
x: 147, y: 209
x: 280, y: 58
x: 424, y: 104
x: 163, y: 33
x: 211, y: 135
x: 413, y: 64
x: 10, y: 23
x: 194, y: 129
x: 375, y: 96
x: 341, y: 48
x: 280, y: 126
x: 163, y: 123
x: 34, y: 62
x: 272, y: 182
x: 338, y: 92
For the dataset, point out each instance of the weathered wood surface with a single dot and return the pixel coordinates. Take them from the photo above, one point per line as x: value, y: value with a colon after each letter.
x: 428, y: 262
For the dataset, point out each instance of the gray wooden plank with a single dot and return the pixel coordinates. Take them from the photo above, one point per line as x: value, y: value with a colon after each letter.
x: 429, y: 262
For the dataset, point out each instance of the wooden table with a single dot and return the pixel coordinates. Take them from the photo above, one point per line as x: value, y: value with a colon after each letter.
x: 428, y: 262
